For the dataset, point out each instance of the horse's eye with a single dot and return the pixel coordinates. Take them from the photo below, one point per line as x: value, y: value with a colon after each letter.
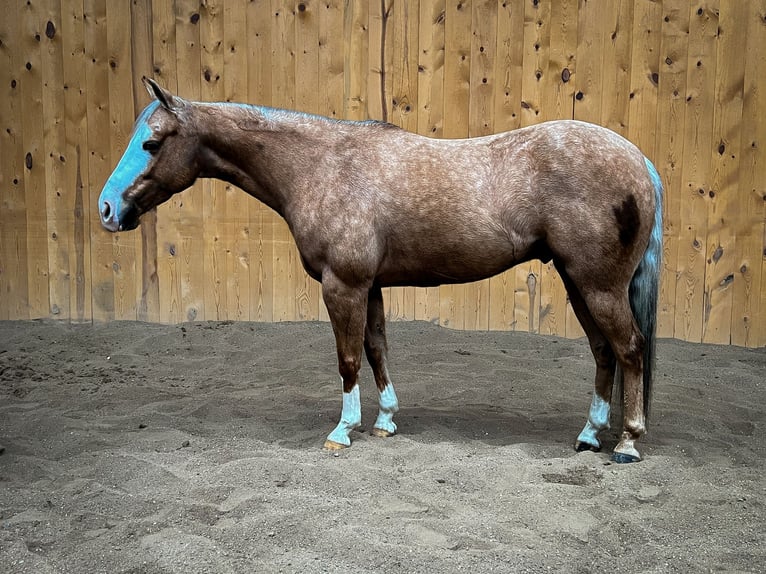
x: 152, y: 146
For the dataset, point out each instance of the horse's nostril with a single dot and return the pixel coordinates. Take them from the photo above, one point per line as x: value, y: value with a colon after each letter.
x: 106, y: 212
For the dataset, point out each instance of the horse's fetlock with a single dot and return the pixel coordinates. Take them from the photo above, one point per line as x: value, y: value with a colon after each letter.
x: 635, y: 429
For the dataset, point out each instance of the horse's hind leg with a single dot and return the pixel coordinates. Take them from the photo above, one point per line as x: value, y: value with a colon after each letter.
x: 612, y: 314
x: 346, y: 306
x: 376, y: 349
x: 598, y: 415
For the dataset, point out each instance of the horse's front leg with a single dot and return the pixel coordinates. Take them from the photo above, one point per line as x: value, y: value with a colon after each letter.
x: 376, y: 348
x: 347, y: 307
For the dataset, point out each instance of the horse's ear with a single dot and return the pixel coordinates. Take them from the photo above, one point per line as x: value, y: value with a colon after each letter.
x: 167, y: 100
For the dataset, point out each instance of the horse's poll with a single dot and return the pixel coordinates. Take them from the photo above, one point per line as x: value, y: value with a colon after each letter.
x: 371, y: 205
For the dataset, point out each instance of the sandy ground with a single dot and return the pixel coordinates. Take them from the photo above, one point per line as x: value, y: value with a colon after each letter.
x: 197, y: 448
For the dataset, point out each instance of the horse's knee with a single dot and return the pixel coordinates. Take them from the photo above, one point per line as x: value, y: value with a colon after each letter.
x: 348, y: 366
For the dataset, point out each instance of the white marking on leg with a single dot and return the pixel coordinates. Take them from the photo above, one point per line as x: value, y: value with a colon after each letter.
x: 350, y: 418
x: 389, y: 404
x: 598, y: 420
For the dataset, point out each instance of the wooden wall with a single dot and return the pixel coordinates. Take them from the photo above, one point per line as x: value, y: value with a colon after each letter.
x: 684, y: 80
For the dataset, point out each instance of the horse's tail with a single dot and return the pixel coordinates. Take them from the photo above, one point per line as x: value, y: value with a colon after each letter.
x: 645, y: 286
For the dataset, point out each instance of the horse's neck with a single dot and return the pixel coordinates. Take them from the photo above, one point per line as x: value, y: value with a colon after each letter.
x: 265, y: 159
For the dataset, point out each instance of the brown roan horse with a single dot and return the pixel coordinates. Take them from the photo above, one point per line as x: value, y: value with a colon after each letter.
x: 371, y: 205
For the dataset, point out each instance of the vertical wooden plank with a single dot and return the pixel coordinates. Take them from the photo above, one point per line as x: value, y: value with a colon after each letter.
x: 331, y: 58
x: 644, y: 75
x: 76, y: 164
x: 58, y: 196
x: 126, y: 246
x: 457, y: 78
x: 507, y: 116
x: 671, y: 118
x: 589, y: 80
x: 617, y: 58
x: 98, y: 153
x: 725, y: 197
x: 691, y: 303
x: 380, y: 87
x: 748, y: 321
x: 307, y: 57
x: 480, y: 122
x: 403, y: 44
x: 332, y: 80
x: 535, y: 49
x: 556, y: 63
x: 724, y: 208
x: 169, y: 252
x: 141, y: 58
x: 356, y: 47
x: 237, y: 203
x: 307, y: 88
x: 380, y: 63
x: 431, y: 53
x: 261, y: 217
x: 14, y: 274
x: 560, y: 68
x: 430, y: 111
x: 404, y: 96
x: 509, y: 66
x: 283, y: 95
x: 213, y: 191
x: 644, y: 88
x: 190, y: 206
x: 528, y: 304
x: 34, y: 158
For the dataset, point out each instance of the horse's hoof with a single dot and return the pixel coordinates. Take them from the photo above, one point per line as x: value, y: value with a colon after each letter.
x: 583, y: 446
x: 622, y: 458
x: 382, y: 433
x: 332, y: 445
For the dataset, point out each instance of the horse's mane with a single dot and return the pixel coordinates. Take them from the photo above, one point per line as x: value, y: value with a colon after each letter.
x: 280, y: 114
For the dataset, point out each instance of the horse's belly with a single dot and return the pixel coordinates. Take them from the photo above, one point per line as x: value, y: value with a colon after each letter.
x: 428, y: 268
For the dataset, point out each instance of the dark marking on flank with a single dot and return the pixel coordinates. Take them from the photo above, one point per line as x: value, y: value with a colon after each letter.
x: 628, y: 220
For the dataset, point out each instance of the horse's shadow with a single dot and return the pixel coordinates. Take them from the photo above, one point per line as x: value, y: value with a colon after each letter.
x: 303, y: 422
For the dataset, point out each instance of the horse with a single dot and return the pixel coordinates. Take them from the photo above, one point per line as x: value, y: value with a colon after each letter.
x: 371, y: 205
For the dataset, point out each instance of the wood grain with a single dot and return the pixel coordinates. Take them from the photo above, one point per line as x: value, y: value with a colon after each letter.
x: 685, y: 82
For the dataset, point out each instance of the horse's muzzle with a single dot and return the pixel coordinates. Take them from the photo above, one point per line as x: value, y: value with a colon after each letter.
x: 113, y: 221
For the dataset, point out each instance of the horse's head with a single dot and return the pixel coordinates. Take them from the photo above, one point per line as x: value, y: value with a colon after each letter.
x: 160, y: 160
